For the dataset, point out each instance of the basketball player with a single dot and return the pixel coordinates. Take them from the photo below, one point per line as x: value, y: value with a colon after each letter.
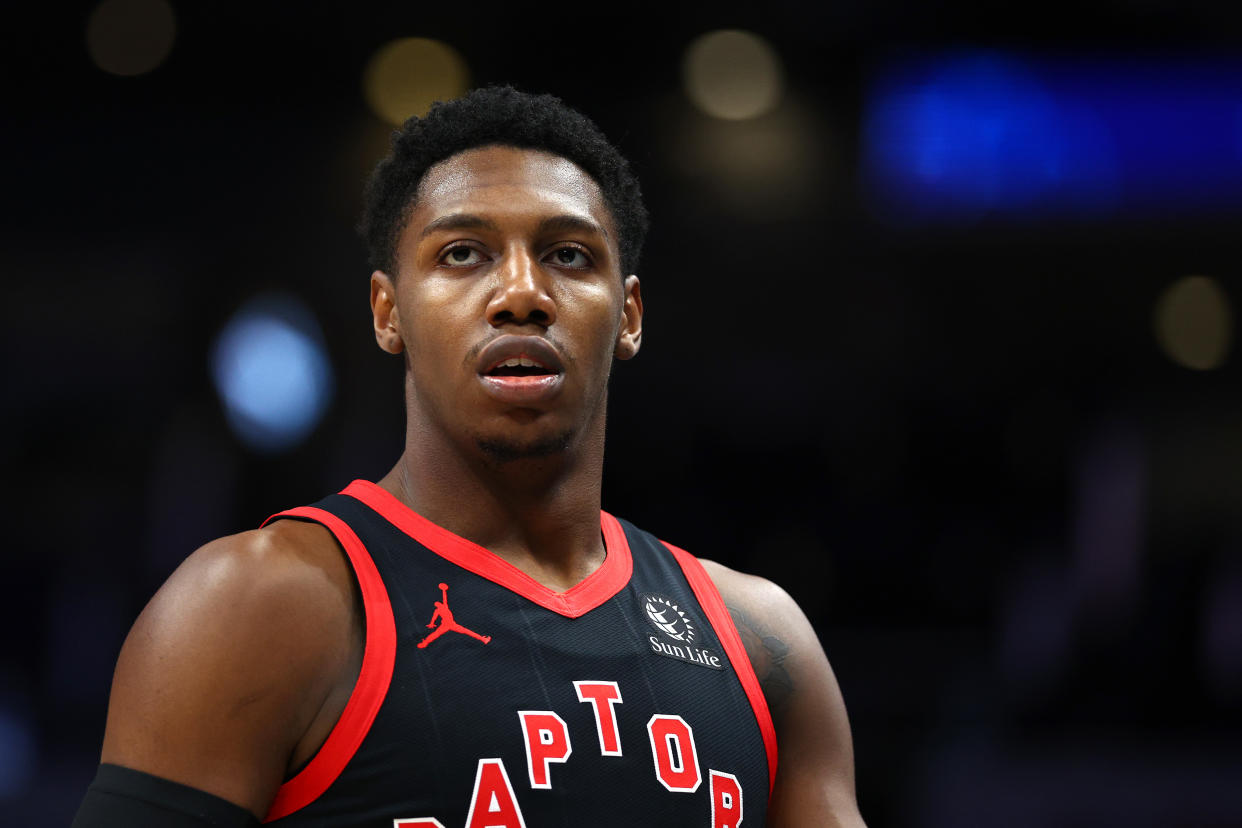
x: 578, y: 671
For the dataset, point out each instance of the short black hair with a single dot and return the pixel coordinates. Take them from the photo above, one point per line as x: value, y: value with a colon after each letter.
x: 497, y: 115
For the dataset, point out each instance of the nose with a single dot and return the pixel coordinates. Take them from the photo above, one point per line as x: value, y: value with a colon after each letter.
x: 521, y: 297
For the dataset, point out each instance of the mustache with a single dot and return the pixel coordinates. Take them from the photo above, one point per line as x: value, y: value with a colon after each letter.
x: 472, y: 355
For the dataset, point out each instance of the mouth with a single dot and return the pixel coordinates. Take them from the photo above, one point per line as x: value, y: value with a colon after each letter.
x: 520, y: 369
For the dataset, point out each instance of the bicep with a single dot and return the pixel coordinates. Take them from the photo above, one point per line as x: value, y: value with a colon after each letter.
x: 815, y: 774
x: 178, y: 710
x: 815, y: 777
x: 207, y: 691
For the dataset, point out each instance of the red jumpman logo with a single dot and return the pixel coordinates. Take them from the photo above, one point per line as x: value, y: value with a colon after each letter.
x: 447, y: 623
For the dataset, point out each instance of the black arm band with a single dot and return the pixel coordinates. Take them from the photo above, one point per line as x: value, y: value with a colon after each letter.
x: 124, y: 798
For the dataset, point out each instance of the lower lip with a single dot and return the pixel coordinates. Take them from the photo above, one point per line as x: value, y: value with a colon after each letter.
x: 522, y: 390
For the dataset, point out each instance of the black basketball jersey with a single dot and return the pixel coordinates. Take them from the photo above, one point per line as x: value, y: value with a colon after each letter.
x: 486, y: 699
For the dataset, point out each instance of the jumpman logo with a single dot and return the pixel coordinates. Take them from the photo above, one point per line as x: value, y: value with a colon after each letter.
x: 447, y: 624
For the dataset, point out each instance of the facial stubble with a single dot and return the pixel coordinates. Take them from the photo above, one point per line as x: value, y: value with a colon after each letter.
x: 501, y: 451
x: 508, y: 451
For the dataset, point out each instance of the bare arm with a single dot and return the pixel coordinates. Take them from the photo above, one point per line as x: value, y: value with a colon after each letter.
x: 815, y: 776
x: 240, y: 664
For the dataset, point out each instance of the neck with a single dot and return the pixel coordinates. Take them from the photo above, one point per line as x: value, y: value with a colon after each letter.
x: 540, y: 514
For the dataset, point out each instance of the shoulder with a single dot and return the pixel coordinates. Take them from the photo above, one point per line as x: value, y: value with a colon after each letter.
x: 770, y: 624
x: 264, y: 572
x: 230, y: 662
x: 758, y: 594
x: 279, y: 583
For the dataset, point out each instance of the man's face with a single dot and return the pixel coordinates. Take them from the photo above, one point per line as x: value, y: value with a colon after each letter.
x: 509, y: 302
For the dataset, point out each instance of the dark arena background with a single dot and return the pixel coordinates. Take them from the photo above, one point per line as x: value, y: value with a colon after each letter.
x: 941, y: 330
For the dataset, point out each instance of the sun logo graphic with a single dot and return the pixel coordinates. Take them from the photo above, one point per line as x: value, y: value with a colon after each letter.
x: 668, y: 618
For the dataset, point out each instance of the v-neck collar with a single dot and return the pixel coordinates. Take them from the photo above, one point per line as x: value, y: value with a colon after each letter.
x: 605, y: 582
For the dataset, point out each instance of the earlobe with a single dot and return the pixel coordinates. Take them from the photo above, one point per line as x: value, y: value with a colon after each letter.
x: 384, y: 313
x: 630, y: 331
x: 626, y: 348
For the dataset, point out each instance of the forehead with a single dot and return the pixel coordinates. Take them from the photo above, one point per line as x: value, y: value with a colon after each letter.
x: 510, y: 180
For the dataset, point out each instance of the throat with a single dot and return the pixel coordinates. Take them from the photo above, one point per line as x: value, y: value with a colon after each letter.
x: 557, y: 575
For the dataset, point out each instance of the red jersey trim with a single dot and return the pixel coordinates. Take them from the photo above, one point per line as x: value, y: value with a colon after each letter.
x: 709, y: 599
x: 373, y: 679
x: 594, y: 590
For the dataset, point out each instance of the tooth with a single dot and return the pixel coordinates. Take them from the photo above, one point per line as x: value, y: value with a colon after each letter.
x: 513, y: 362
x: 527, y: 362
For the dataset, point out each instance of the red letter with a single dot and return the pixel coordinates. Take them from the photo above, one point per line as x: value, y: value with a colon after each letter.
x: 726, y: 800
x: 672, y: 747
x: 603, y: 695
x: 421, y: 822
x: 547, y: 740
x: 493, y: 791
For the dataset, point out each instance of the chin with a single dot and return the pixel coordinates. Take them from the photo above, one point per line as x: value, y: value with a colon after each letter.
x: 508, y: 450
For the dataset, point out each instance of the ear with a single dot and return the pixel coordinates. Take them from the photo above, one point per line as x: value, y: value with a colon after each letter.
x: 630, y: 333
x: 384, y: 313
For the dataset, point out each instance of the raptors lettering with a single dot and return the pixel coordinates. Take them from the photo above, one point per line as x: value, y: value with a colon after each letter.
x: 675, y: 763
x: 547, y: 740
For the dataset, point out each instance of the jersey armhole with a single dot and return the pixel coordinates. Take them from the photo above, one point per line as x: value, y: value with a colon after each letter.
x: 379, y: 655
x: 718, y: 614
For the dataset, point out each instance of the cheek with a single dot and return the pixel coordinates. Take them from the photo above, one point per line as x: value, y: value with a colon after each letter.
x: 596, y: 306
x: 434, y: 313
x: 597, y: 339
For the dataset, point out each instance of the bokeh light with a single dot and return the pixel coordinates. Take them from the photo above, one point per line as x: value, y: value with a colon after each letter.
x: 1194, y: 323
x: 733, y: 75
x: 770, y: 167
x: 406, y: 76
x: 272, y: 372
x: 981, y: 132
x: 958, y: 135
x: 130, y: 37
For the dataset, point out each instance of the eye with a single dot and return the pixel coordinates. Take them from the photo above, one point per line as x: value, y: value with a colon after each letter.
x: 461, y: 256
x: 570, y: 257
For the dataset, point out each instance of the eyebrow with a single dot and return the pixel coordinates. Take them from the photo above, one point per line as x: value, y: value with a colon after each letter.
x: 551, y: 224
x: 568, y: 223
x: 458, y: 221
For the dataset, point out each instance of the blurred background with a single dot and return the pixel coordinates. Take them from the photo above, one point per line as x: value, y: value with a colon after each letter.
x: 940, y: 336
